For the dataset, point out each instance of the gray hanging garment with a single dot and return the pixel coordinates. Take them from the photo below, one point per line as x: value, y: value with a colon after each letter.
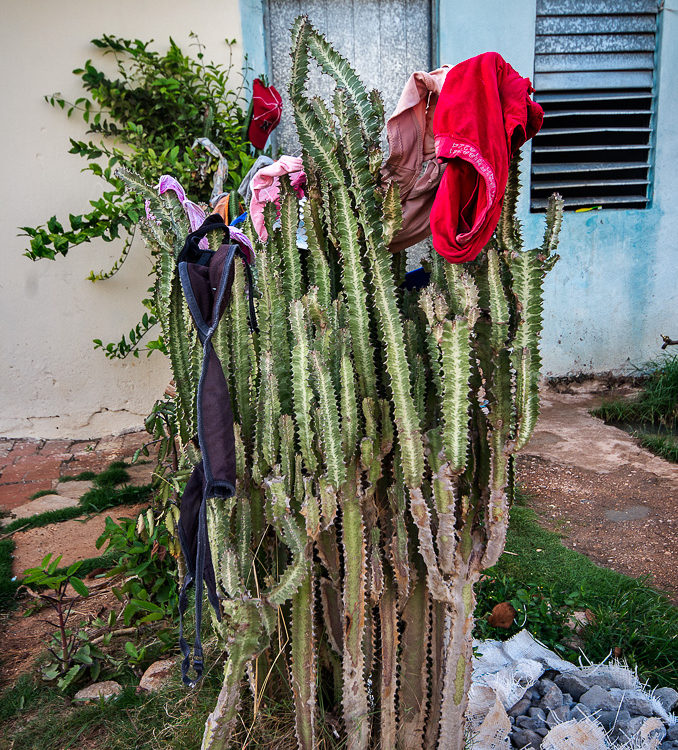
x: 206, y: 279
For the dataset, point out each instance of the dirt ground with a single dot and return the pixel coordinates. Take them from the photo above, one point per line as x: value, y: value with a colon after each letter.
x: 590, y: 482
x: 609, y: 498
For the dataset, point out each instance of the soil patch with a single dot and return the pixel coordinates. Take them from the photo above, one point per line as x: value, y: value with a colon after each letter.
x: 591, y: 482
x: 25, y: 637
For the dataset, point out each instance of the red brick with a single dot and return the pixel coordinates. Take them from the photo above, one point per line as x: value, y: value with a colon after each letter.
x: 14, y: 473
x: 56, y: 447
x: 13, y: 495
x: 85, y: 462
x: 25, y: 448
x: 43, y: 469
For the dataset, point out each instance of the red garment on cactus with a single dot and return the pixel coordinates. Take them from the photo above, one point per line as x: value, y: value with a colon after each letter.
x: 483, y: 116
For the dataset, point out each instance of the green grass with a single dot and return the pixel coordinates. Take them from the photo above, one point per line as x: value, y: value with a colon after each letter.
x: 8, y: 587
x: 665, y: 446
x: 41, y: 493
x: 35, y: 716
x: 656, y: 404
x: 82, y: 477
x: 628, y: 614
x: 96, y: 500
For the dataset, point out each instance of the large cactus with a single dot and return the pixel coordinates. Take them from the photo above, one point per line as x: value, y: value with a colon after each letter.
x: 375, y: 432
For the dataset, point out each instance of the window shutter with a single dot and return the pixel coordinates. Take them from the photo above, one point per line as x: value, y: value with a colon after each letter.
x: 594, y: 77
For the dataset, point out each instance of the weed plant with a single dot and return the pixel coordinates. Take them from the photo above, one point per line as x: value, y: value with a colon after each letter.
x: 665, y: 446
x: 656, y: 404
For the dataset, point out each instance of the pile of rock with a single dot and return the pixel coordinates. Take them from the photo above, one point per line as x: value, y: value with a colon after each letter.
x: 602, y: 695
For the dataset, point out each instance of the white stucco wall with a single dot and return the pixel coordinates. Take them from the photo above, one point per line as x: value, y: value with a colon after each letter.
x: 52, y: 382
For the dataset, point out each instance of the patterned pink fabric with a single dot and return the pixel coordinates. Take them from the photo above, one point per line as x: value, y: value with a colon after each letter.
x: 266, y: 188
x: 195, y: 214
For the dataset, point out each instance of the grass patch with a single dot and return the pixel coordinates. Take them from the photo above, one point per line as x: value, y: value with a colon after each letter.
x: 41, y: 493
x: 84, y: 476
x: 665, y: 446
x: 38, y: 716
x: 555, y: 580
x: 656, y: 404
x: 96, y: 500
x: 8, y: 587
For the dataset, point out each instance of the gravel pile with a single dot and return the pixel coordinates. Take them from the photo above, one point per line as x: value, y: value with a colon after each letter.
x: 602, y: 695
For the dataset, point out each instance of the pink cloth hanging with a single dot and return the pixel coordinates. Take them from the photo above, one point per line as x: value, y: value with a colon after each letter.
x: 266, y: 188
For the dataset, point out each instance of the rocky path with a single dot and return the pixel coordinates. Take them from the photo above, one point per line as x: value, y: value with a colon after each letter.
x: 611, y: 499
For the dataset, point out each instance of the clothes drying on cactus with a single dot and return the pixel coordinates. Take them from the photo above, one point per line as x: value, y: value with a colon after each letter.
x: 484, y: 115
x: 374, y: 429
x: 206, y: 279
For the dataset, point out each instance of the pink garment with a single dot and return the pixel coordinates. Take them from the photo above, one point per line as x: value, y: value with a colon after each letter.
x: 266, y: 188
x: 195, y: 214
x: 411, y: 161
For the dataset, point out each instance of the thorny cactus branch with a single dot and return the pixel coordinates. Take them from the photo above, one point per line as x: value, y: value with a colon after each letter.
x: 375, y: 431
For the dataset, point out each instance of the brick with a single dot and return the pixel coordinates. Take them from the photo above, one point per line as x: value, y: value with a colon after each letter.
x: 56, y: 447
x: 14, y: 473
x: 85, y: 462
x: 43, y: 469
x: 13, y: 495
x: 25, y: 447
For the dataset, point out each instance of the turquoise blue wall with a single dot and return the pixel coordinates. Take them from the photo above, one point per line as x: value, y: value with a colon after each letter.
x: 615, y: 289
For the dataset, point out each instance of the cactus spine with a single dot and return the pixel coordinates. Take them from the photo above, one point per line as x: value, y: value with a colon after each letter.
x: 375, y: 433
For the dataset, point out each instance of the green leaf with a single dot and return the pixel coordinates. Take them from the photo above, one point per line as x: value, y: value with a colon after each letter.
x: 79, y: 586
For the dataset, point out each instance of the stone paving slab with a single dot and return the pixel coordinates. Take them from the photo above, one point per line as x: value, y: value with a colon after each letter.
x: 74, y: 489
x: 42, y: 505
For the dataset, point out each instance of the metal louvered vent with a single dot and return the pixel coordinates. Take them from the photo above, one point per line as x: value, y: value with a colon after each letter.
x: 594, y: 77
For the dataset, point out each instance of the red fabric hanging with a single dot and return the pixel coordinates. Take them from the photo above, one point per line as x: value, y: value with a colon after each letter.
x: 483, y: 116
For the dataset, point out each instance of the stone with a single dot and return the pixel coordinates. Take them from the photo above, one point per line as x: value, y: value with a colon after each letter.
x: 608, y: 678
x: 502, y: 616
x: 672, y: 733
x: 98, y: 690
x: 520, y: 708
x: 573, y: 684
x: 633, y: 701
x: 74, y: 489
x: 525, y: 738
x: 533, y: 694
x: 42, y: 505
x: 668, y: 697
x: 543, y: 685
x: 552, y: 698
x: 599, y: 699
x: 157, y: 675
x: 557, y: 716
x: 610, y: 719
x: 567, y: 699
x: 537, y: 713
x: 579, y: 712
